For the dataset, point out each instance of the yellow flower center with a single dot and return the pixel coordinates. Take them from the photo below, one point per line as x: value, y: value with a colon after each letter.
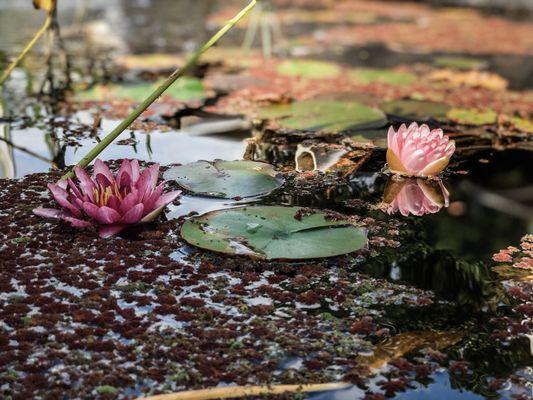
x: 102, y: 194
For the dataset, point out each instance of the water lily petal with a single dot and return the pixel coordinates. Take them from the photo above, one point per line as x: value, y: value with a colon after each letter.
x: 395, y: 165
x: 167, y: 198
x: 61, y: 196
x: 435, y: 167
x: 76, y: 222
x: 124, y: 173
x: 87, y: 185
x: 48, y: 212
x: 101, y: 168
x: 107, y: 215
x: 129, y: 201
x: 110, y: 230
x: 133, y: 215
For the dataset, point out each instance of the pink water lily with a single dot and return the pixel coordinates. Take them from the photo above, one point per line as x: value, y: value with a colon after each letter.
x: 109, y: 202
x: 418, y: 150
x: 415, y: 196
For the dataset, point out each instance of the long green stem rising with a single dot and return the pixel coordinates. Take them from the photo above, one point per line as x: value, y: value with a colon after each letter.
x: 161, y: 89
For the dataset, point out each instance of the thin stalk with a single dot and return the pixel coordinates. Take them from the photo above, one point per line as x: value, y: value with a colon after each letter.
x: 28, y: 47
x: 106, y: 141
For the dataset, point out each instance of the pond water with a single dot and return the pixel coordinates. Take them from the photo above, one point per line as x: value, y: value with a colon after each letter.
x: 447, y: 252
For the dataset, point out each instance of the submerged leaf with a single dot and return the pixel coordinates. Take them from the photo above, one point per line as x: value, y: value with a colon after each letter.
x: 226, y: 179
x: 325, y: 115
x: 309, y: 69
x: 273, y: 232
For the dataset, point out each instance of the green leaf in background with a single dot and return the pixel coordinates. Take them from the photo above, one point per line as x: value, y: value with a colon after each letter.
x: 324, y: 115
x: 416, y: 110
x: 273, y: 232
x: 472, y: 116
x: 226, y: 179
x: 309, y: 69
x: 522, y: 124
x: 370, y: 75
x: 185, y: 89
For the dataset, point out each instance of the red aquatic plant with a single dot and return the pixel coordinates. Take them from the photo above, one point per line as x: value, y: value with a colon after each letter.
x: 109, y: 202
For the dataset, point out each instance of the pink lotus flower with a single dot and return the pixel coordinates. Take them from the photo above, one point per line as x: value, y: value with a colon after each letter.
x: 418, y: 151
x: 415, y: 196
x: 108, y: 202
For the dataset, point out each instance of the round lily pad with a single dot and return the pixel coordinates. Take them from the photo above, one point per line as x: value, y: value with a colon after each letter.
x: 325, y: 115
x: 416, y: 110
x: 226, y: 179
x: 273, y: 232
x: 472, y: 116
x: 309, y: 69
x: 369, y: 75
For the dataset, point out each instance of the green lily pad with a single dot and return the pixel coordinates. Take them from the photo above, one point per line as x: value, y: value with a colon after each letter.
x: 226, y: 179
x: 416, y: 110
x: 463, y: 63
x: 273, y: 232
x: 370, y: 75
x: 472, y: 116
x: 522, y: 124
x: 376, y: 137
x: 309, y: 69
x: 324, y: 115
x: 184, y: 89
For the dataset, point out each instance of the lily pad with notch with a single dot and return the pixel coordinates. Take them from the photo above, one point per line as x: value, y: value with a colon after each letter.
x: 226, y: 179
x: 274, y: 232
x: 324, y: 115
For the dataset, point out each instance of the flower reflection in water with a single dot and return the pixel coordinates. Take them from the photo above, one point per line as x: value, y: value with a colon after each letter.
x: 413, y: 196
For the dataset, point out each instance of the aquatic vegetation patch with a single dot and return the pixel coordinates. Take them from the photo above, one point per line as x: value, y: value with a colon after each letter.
x: 309, y: 69
x: 391, y: 77
x: 324, y: 115
x: 416, y: 110
x: 226, y: 179
x: 274, y: 232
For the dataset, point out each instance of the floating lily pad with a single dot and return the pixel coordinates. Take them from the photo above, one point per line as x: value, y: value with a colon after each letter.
x: 416, y: 110
x: 370, y: 75
x: 226, y: 179
x: 522, y: 124
x: 472, y: 116
x: 184, y: 89
x: 324, y: 115
x: 376, y: 137
x: 309, y: 69
x: 459, y: 62
x: 273, y: 232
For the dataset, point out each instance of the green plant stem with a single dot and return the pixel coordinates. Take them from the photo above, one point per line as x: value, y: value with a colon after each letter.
x: 28, y: 47
x: 160, y: 90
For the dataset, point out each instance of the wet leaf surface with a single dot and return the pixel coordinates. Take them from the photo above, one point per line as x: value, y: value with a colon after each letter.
x: 368, y: 75
x: 309, y: 69
x: 274, y: 233
x: 324, y: 115
x: 472, y: 116
x: 226, y: 179
x: 416, y: 110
